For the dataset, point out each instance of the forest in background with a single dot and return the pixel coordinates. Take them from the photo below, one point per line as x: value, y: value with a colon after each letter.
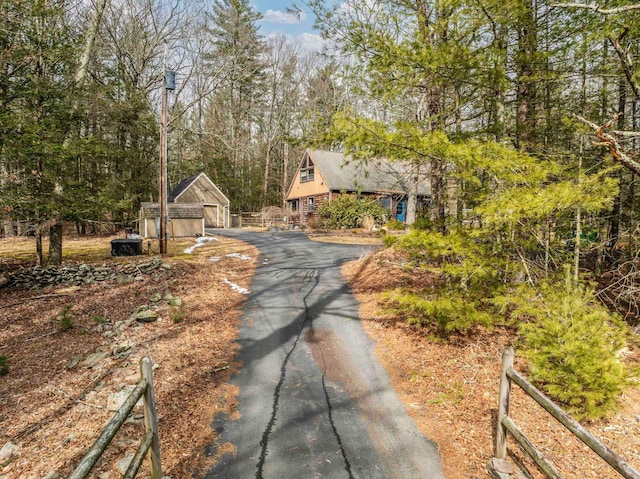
x: 80, y: 89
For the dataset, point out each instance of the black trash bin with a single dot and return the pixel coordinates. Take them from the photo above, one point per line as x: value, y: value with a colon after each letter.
x: 126, y: 247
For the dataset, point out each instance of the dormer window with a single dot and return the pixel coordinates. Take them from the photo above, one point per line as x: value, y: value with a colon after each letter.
x: 306, y: 170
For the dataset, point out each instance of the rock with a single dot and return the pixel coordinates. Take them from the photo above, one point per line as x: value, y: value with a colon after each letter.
x: 135, y: 419
x: 115, y: 400
x: 144, y: 307
x: 168, y: 297
x: 8, y: 452
x: 165, y: 266
x: 123, y: 464
x: 139, y: 278
x: 104, y: 475
x: 52, y: 475
x: 147, y: 316
x: 122, y: 347
x: 123, y: 278
x: 94, y: 359
x: 72, y: 363
x: 155, y: 297
x: 3, y: 281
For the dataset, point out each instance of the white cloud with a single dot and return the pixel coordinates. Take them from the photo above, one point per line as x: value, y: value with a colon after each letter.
x: 280, y: 17
x: 309, y: 42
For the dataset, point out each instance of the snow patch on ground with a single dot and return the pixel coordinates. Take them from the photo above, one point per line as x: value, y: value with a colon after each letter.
x: 238, y: 256
x: 200, y: 242
x: 237, y: 288
x: 215, y: 259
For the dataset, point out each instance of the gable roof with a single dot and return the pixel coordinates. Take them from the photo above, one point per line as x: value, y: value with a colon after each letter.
x: 340, y: 172
x: 182, y: 186
x: 187, y: 182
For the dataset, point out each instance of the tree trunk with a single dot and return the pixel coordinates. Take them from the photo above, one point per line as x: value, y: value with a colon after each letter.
x: 614, y: 224
x: 412, y: 200
x: 55, y: 243
x: 285, y: 174
x: 39, y: 254
x: 526, y: 92
x: 265, y: 179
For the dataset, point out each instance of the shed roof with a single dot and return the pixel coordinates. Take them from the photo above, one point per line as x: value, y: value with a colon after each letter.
x: 176, y: 210
x: 341, y: 172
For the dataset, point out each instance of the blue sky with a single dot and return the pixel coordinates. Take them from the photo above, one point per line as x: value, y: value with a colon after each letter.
x: 276, y: 20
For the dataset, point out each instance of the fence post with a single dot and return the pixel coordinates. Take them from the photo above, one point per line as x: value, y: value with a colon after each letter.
x: 503, y: 404
x: 151, y: 418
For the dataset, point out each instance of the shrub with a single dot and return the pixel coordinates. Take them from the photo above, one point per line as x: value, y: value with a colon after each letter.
x: 4, y: 365
x: 349, y: 211
x: 442, y: 314
x: 389, y: 240
x: 462, y: 262
x: 572, y: 344
x: 422, y: 223
x: 395, y: 225
x: 65, y: 319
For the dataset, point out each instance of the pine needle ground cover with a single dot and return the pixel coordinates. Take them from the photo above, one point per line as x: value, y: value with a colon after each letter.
x: 451, y: 386
x: 53, y: 407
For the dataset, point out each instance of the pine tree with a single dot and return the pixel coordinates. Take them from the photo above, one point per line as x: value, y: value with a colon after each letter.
x: 238, y: 46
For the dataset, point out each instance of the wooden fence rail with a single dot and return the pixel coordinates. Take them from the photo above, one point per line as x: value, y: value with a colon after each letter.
x: 506, y: 425
x: 150, y: 441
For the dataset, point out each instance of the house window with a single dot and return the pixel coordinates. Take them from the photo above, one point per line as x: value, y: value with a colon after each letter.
x: 306, y: 170
x: 310, y: 203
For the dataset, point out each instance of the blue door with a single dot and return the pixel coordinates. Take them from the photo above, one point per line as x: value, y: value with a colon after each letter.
x: 401, y: 210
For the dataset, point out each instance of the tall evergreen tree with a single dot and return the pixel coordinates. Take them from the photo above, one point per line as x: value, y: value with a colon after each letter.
x: 230, y: 122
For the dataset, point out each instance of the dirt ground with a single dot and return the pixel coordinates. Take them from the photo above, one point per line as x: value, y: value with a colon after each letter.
x: 53, y: 412
x: 451, y: 388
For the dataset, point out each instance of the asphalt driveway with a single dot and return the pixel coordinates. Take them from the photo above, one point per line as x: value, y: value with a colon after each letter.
x: 313, y: 400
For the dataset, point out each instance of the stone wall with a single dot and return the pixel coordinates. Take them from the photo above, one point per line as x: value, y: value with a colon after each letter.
x: 83, y: 274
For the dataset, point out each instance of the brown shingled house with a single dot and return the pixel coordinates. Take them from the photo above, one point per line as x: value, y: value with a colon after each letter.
x: 323, y: 175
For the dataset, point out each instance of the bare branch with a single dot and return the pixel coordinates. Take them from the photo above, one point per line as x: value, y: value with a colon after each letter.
x: 607, y: 140
x: 626, y: 62
x: 599, y: 9
x: 626, y: 134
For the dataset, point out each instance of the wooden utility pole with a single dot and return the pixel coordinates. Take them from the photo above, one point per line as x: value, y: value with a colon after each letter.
x: 162, y: 234
x: 163, y: 170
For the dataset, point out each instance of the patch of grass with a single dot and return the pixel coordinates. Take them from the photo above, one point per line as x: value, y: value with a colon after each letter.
x: 452, y: 395
x: 176, y: 313
x: 99, y: 319
x: 4, y: 365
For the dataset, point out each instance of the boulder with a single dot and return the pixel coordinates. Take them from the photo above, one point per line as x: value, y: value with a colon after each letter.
x: 123, y: 464
x: 73, y: 363
x: 8, y: 452
x: 146, y: 316
x: 93, y: 359
x: 122, y: 347
x: 116, y: 400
